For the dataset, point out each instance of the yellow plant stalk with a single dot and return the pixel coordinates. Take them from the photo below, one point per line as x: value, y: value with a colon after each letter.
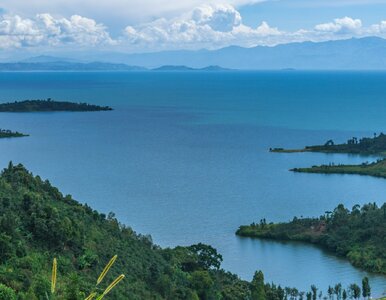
x: 53, y: 279
x: 106, y: 269
x: 111, y: 286
x: 91, y: 296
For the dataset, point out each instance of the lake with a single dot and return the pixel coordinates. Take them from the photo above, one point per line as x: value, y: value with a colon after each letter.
x: 184, y: 156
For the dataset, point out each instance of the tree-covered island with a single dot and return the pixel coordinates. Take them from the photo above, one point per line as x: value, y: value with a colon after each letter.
x: 367, y: 146
x: 358, y: 234
x: 6, y: 133
x: 49, y: 105
x: 38, y: 224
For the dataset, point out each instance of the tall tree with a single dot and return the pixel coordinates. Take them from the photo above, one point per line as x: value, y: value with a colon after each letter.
x: 314, y: 292
x: 257, y: 286
x: 366, y: 289
x: 355, y: 291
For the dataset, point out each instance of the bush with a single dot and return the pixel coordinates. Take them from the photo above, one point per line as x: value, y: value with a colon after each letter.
x: 7, y: 293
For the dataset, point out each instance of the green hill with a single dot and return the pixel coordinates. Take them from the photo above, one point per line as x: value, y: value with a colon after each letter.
x: 38, y: 223
x: 359, y: 234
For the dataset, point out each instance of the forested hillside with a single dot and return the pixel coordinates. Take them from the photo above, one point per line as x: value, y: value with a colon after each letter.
x: 358, y: 234
x: 38, y: 223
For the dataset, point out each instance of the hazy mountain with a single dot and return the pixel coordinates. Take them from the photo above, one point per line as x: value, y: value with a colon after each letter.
x: 185, y: 68
x: 364, y: 53
x: 47, y: 59
x: 67, y: 66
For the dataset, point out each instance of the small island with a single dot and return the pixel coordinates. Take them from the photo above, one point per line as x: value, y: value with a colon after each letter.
x: 366, y: 146
x: 356, y: 234
x: 49, y: 105
x: 5, y: 133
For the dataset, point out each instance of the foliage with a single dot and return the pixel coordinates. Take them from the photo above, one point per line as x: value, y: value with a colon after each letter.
x: 7, y: 293
x: 359, y: 234
x: 366, y: 145
x: 376, y: 169
x: 5, y: 133
x: 38, y: 223
x: 48, y: 105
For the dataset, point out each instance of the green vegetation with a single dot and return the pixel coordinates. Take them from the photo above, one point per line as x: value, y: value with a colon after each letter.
x: 365, y: 146
x: 39, y: 224
x: 377, y: 169
x: 49, y: 105
x: 359, y: 234
x: 5, y: 133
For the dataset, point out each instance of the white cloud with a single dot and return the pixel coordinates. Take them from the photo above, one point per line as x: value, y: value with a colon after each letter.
x: 378, y: 29
x: 130, y: 11
x: 44, y: 29
x: 207, y: 26
x: 345, y: 25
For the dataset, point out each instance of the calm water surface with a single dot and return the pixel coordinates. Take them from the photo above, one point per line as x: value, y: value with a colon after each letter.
x: 184, y: 156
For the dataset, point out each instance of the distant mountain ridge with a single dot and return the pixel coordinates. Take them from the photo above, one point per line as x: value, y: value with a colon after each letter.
x: 367, y: 53
x: 185, y: 68
x: 67, y: 66
x: 48, y: 59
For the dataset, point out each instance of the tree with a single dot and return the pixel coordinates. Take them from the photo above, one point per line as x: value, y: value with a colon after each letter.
x: 330, y: 292
x: 366, y: 289
x: 257, y: 286
x: 208, y: 257
x: 338, y: 291
x: 355, y: 291
x: 314, y: 292
x: 344, y: 295
x: 202, y: 283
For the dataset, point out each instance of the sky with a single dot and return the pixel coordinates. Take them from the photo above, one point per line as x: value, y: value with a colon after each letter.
x: 134, y: 26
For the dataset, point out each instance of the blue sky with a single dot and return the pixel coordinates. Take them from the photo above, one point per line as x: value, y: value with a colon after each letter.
x: 156, y: 25
x: 295, y: 14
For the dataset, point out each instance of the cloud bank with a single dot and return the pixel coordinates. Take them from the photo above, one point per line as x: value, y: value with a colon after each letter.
x: 45, y: 30
x: 204, y: 26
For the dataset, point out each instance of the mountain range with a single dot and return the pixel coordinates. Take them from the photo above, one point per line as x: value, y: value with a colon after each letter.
x: 367, y: 53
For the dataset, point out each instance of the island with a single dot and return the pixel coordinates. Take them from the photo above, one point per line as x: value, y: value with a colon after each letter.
x: 39, y: 225
x: 375, y: 145
x: 5, y: 133
x: 357, y: 234
x: 49, y: 105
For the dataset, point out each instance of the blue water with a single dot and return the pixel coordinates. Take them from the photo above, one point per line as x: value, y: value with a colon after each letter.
x: 184, y: 156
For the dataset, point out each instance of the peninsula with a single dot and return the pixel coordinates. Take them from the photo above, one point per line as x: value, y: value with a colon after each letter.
x: 367, y: 146
x: 356, y: 234
x: 376, y: 169
x: 5, y: 133
x: 49, y: 105
x: 364, y: 146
